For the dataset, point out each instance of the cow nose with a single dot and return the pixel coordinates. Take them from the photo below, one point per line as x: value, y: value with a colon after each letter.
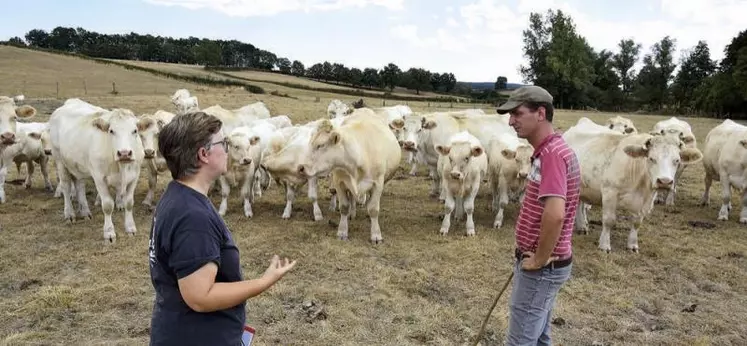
x: 246, y: 161
x: 124, y: 154
x: 664, y: 182
x: 522, y: 175
x: 456, y: 175
x: 628, y: 130
x: 409, y: 144
x: 401, y: 143
x: 8, y: 137
x: 301, y: 169
x: 149, y: 153
x: 47, y: 151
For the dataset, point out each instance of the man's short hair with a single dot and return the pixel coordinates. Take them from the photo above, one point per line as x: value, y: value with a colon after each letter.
x: 180, y: 140
x: 533, y: 106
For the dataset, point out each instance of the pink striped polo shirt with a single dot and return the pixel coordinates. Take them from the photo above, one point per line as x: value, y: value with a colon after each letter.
x: 555, y: 172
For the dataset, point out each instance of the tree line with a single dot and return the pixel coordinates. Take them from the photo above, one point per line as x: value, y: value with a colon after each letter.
x: 561, y: 60
x: 229, y: 55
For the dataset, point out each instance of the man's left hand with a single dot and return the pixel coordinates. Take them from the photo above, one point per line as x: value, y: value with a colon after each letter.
x: 529, y: 262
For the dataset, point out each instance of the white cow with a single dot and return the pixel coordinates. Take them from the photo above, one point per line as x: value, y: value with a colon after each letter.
x: 438, y: 128
x: 103, y: 145
x: 725, y: 160
x: 338, y: 109
x: 680, y: 130
x: 8, y: 127
x: 620, y: 171
x: 284, y: 153
x: 509, y: 163
x: 246, y: 144
x: 152, y: 124
x: 363, y: 155
x: 622, y: 125
x: 256, y: 110
x: 462, y: 163
x: 183, y: 102
x: 32, y: 145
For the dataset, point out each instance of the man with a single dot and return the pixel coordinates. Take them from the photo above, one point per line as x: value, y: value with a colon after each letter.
x: 194, y: 261
x: 545, y: 223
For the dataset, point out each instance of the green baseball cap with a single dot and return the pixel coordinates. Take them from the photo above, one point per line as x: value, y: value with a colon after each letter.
x: 529, y: 93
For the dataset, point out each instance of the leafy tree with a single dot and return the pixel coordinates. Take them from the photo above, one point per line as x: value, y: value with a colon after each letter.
x: 500, y: 83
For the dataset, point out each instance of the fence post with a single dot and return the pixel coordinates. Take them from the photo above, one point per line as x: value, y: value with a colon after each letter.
x: 58, y: 89
x: 85, y: 88
x: 114, y: 88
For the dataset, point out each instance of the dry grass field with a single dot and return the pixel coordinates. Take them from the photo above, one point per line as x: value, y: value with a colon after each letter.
x: 61, y: 284
x: 259, y: 76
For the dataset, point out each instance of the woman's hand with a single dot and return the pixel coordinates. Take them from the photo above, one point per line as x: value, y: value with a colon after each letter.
x: 278, y: 268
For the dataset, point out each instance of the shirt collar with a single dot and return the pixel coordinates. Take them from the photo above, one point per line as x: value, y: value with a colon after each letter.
x: 544, y: 143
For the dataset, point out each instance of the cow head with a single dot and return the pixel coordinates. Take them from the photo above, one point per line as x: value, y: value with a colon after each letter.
x: 411, y: 133
x: 241, y: 147
x: 338, y: 109
x: 663, y: 154
x: 122, y: 127
x: 622, y: 125
x: 398, y: 128
x: 678, y: 133
x: 522, y: 157
x: 9, y: 113
x: 458, y: 157
x: 46, y: 143
x: 148, y: 128
x: 325, y: 150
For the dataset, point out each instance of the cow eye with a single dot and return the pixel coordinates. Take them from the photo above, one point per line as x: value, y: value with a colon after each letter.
x: 111, y: 131
x: 653, y: 160
x: 134, y: 131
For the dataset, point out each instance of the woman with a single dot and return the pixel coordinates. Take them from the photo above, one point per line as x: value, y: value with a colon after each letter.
x: 194, y: 262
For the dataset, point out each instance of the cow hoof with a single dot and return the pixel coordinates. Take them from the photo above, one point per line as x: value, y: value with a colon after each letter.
x: 342, y: 237
x: 285, y: 216
x: 377, y: 241
x: 633, y: 249
x: 443, y: 232
x: 110, y: 238
x: 743, y: 220
x: 28, y: 186
x: 471, y: 233
x: 582, y: 231
x: 318, y: 217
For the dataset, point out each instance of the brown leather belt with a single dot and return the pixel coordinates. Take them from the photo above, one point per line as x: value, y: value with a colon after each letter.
x: 552, y: 265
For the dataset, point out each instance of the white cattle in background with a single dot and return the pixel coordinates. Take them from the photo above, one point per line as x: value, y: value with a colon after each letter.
x: 32, y: 146
x: 152, y: 124
x: 509, y: 163
x: 681, y: 130
x: 623, y: 171
x: 725, y: 160
x: 362, y: 155
x: 338, y: 109
x: 622, y: 125
x: 9, y: 113
x: 256, y: 110
x: 462, y: 164
x: 103, y: 145
x: 184, y: 102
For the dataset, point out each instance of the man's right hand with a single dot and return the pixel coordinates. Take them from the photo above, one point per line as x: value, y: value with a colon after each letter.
x: 278, y: 268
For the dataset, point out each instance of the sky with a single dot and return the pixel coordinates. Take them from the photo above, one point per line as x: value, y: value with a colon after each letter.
x: 477, y: 40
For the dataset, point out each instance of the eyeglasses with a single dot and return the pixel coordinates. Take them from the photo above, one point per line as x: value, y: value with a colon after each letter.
x: 223, y: 141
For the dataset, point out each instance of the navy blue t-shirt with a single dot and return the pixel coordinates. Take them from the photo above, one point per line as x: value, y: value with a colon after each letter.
x: 188, y: 233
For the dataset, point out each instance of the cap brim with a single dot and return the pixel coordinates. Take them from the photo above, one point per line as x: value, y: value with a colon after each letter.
x: 507, y: 107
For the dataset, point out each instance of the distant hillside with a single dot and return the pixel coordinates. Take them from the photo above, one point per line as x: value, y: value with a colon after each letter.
x: 491, y: 85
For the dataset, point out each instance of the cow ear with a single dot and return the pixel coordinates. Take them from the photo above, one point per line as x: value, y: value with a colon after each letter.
x: 636, y: 151
x: 443, y: 150
x: 144, y: 123
x: 430, y: 124
x: 477, y: 151
x: 35, y: 135
x: 25, y: 111
x: 397, y: 124
x: 629, y: 130
x: 687, y: 139
x: 160, y: 124
x: 654, y: 133
x: 101, y: 124
x: 254, y: 140
x: 691, y: 155
x: 508, y: 154
x: 349, y: 111
x: 743, y: 143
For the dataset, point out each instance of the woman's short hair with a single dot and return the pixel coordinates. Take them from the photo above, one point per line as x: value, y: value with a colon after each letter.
x: 180, y: 140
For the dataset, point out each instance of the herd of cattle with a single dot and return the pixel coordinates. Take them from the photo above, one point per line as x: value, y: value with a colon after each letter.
x: 359, y: 150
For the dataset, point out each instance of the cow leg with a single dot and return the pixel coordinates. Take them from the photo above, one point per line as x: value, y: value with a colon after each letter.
x: 333, y: 200
x: 290, y: 197
x: 705, y: 199
x: 353, y: 204
x: 580, y: 223
x: 264, y: 181
x: 344, y: 205
x: 3, y: 175
x: 129, y: 203
x: 80, y: 190
x: 44, y: 167
x: 225, y: 189
x: 107, y: 206
x: 459, y: 208
x: 29, y: 173
x: 609, y: 218
x: 633, y: 235
x: 64, y: 186
x: 469, y: 207
x: 256, y: 188
x: 247, y: 190
x: 414, y: 163
x: 313, y: 196
x: 743, y: 214
x: 723, y: 214
x: 374, y: 207
x: 436, y: 185
x: 502, y: 202
x: 449, y: 204
x: 673, y: 192
x: 152, y: 182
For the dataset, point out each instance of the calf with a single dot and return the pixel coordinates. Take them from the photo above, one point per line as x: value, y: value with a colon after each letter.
x: 462, y: 165
x: 32, y: 145
x: 362, y: 154
x: 152, y: 124
x: 103, y: 145
x: 509, y: 163
x: 725, y: 160
x: 621, y: 124
x: 624, y: 171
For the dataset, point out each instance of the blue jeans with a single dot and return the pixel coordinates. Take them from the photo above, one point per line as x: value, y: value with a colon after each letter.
x: 532, y: 299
